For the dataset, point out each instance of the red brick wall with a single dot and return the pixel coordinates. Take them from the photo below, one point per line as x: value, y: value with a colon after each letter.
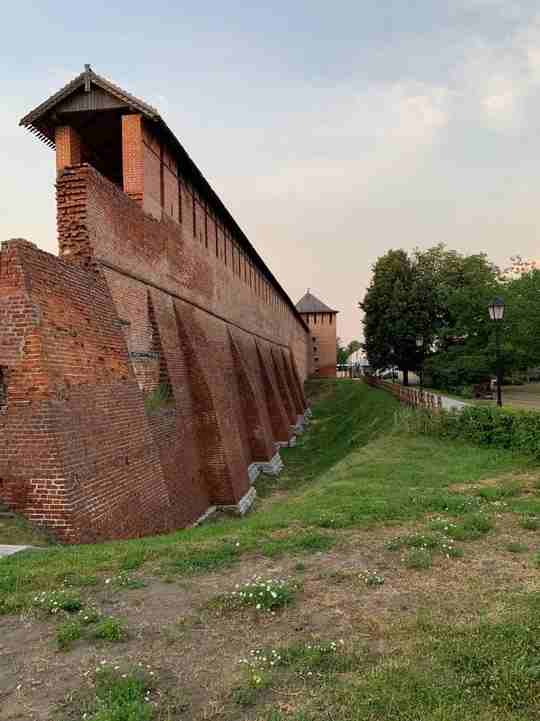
x: 68, y: 147
x: 166, y: 254
x: 134, y: 302
x: 323, y: 343
x: 75, y: 447
x: 132, y: 156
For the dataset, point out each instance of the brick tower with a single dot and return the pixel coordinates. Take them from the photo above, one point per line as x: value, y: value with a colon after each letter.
x: 322, y: 322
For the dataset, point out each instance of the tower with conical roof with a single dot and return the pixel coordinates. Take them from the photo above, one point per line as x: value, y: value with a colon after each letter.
x: 322, y: 321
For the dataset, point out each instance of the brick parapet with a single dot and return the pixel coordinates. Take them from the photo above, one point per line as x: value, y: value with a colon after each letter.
x: 131, y: 304
x: 113, y: 228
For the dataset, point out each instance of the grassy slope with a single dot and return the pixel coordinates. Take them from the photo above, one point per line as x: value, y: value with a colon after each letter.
x: 353, y: 469
x: 349, y: 470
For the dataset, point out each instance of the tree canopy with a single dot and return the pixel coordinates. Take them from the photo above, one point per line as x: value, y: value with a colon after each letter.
x: 429, y: 309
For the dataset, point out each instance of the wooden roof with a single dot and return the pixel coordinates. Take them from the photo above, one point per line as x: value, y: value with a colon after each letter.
x: 311, y: 304
x: 91, y: 92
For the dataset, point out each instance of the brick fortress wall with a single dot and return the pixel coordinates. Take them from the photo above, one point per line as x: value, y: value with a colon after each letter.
x: 140, y: 300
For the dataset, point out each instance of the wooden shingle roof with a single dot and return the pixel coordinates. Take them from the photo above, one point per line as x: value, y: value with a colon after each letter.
x: 43, y: 120
x: 311, y: 304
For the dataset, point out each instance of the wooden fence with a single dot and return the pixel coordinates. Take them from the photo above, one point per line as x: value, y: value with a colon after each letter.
x: 413, y: 397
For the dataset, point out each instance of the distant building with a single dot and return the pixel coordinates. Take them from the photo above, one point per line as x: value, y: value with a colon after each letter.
x: 322, y: 322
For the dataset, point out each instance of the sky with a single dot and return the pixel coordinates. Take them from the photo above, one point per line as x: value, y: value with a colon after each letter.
x: 332, y: 131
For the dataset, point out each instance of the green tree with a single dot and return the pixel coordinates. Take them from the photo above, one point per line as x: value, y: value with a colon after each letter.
x: 521, y: 331
x: 395, y: 314
x: 353, y: 346
x: 462, y: 339
x: 342, y: 352
x: 439, y: 296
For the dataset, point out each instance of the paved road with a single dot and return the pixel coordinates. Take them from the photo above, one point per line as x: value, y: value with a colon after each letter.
x: 450, y: 404
x: 10, y: 550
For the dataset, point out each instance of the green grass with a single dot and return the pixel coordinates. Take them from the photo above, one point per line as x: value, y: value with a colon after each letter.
x: 356, y: 468
x: 113, y: 698
x: 67, y: 633
x: 516, y: 547
x: 489, y: 670
x: 353, y: 468
x: 419, y: 559
x: 109, y: 629
x: 262, y: 594
x: 307, y: 662
x: 530, y: 523
x: 16, y: 531
x: 472, y: 527
x: 501, y: 492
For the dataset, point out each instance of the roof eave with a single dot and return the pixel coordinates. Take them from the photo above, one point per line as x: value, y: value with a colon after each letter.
x: 31, y: 121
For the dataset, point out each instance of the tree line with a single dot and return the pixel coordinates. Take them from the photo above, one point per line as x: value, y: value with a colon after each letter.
x: 428, y: 310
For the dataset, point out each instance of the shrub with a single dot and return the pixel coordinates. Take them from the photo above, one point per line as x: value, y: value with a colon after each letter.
x: 484, y: 425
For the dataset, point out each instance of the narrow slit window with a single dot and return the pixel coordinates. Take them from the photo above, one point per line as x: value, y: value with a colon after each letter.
x: 3, y: 388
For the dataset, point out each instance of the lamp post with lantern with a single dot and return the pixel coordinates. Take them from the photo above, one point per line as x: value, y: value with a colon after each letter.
x: 420, y: 346
x: 496, y: 313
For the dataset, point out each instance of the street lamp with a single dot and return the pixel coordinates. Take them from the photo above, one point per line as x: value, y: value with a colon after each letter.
x: 393, y: 355
x: 496, y: 313
x: 420, y: 345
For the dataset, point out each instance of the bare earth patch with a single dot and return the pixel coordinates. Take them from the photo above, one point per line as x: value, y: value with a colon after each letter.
x: 196, y: 650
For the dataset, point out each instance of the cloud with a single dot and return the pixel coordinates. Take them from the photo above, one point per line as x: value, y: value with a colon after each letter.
x: 498, y: 80
x: 355, y: 138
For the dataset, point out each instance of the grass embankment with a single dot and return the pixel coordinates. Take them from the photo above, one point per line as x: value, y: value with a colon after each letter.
x: 406, y: 576
x: 15, y: 531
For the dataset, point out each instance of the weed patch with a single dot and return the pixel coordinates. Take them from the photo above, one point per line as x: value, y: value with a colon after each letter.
x: 372, y: 578
x: 53, y: 602
x: 470, y: 528
x: 418, y: 559
x: 67, y: 633
x: 530, y: 523
x: 425, y: 544
x: 261, y: 594
x: 306, y: 661
x: 114, y: 696
x: 108, y: 629
x: 516, y: 547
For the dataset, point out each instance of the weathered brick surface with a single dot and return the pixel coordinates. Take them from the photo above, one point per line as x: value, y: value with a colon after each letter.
x: 75, y: 447
x: 133, y: 303
x: 322, y: 328
x: 68, y: 147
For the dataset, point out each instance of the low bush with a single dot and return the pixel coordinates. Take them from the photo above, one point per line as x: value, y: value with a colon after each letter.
x: 483, y: 425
